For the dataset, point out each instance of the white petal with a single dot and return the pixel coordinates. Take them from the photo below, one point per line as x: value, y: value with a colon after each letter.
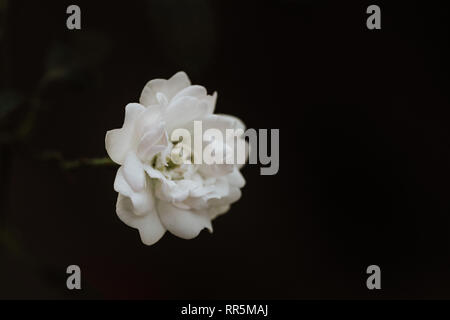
x: 215, y: 170
x: 196, y: 203
x: 233, y: 196
x: 238, y: 124
x: 169, y: 88
x: 162, y: 99
x: 171, y: 192
x: 148, y: 95
x: 142, y: 200
x: 182, y: 111
x: 153, y: 141
x: 219, y: 122
x: 216, y: 211
x: 236, y: 179
x: 177, y: 82
x: 176, y: 191
x: 149, y: 119
x: 195, y: 91
x: 220, y: 189
x: 201, y: 189
x: 215, y: 121
x: 133, y: 172
x: 211, y: 100
x: 149, y: 225
x: 155, y: 174
x: 119, y: 141
x: 185, y: 224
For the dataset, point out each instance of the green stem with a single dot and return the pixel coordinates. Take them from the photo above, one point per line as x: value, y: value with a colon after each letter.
x: 76, y: 163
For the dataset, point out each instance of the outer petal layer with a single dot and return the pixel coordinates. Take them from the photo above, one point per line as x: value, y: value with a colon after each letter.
x: 119, y: 141
x: 149, y: 225
x: 142, y: 200
x: 183, y: 223
x: 169, y: 88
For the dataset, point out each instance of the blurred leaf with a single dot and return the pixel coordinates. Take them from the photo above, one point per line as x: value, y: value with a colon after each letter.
x: 9, y: 100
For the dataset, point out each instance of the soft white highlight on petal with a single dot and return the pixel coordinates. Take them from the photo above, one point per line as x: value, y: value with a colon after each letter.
x: 142, y: 200
x: 149, y: 225
x: 237, y: 123
x: 151, y: 117
x: 119, y: 141
x: 152, y: 142
x: 236, y: 179
x: 195, y: 91
x: 214, y: 212
x: 211, y: 101
x: 168, y: 87
x: 182, y: 111
x: 133, y: 172
x: 185, y: 224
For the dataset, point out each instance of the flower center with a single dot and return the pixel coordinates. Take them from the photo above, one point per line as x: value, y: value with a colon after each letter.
x: 175, y: 163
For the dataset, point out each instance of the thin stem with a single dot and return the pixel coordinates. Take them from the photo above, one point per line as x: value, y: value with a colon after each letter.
x: 76, y: 163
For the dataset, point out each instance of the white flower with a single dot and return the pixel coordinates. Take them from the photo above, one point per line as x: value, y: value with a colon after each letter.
x: 155, y: 193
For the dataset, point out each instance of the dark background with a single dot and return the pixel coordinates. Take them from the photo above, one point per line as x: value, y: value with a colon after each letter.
x: 364, y: 137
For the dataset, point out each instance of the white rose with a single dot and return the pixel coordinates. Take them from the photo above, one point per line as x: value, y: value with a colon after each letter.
x: 156, y: 194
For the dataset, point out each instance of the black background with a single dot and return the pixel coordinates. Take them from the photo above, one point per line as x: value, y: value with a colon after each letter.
x: 364, y: 149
